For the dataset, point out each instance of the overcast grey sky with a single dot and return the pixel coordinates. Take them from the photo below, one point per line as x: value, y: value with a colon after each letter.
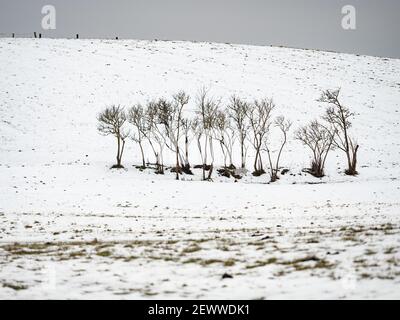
x: 293, y: 23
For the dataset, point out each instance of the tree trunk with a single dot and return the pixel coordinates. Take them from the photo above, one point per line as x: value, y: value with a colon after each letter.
x: 223, y: 152
x: 352, y: 170
x: 118, y: 151
x: 122, y: 152
x: 256, y: 161
x: 141, y: 150
x: 260, y: 163
x: 242, y: 153
x: 348, y: 161
x: 205, y: 158
x: 210, y: 172
x: 154, y: 151
x: 212, y: 159
x: 177, y: 163
x: 187, y: 164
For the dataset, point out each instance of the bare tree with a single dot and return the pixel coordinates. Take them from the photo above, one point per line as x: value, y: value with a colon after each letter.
x: 319, y: 139
x: 167, y: 121
x: 198, y: 132
x: 111, y: 121
x: 206, y: 111
x: 284, y: 127
x: 339, y: 117
x: 259, y: 115
x: 237, y: 112
x: 219, y: 132
x: 229, y: 142
x: 224, y: 134
x: 155, y: 134
x: 180, y: 100
x: 136, y: 116
x: 188, y: 136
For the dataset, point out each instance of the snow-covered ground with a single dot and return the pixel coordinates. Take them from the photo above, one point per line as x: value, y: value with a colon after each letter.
x: 72, y: 228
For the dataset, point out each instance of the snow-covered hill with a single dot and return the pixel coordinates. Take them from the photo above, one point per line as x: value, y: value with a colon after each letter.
x: 274, y: 239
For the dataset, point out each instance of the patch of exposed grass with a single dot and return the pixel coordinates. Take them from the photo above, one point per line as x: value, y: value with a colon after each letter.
x: 77, y: 254
x: 15, y: 286
x: 360, y: 260
x: 229, y: 263
x: 353, y: 230
x: 149, y: 293
x: 390, y: 250
x: 104, y: 253
x: 103, y: 246
x: 300, y: 260
x: 129, y: 258
x: 203, y: 262
x: 280, y: 273
x: 29, y: 252
x: 192, y: 260
x: 299, y: 264
x: 210, y: 261
x: 370, y: 252
x: 27, y: 248
x: 386, y: 277
x: 257, y: 244
x: 165, y: 258
x: 262, y: 263
x: 323, y: 264
x: 312, y: 240
x: 192, y: 248
x: 349, y: 238
x: 393, y: 261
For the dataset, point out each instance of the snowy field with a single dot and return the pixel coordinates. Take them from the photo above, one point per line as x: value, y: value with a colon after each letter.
x: 72, y: 228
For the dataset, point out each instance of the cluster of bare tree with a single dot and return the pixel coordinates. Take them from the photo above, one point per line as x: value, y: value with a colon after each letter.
x: 163, y: 125
x: 332, y: 131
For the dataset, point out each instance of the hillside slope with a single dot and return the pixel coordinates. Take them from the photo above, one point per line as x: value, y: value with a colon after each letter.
x: 55, y: 182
